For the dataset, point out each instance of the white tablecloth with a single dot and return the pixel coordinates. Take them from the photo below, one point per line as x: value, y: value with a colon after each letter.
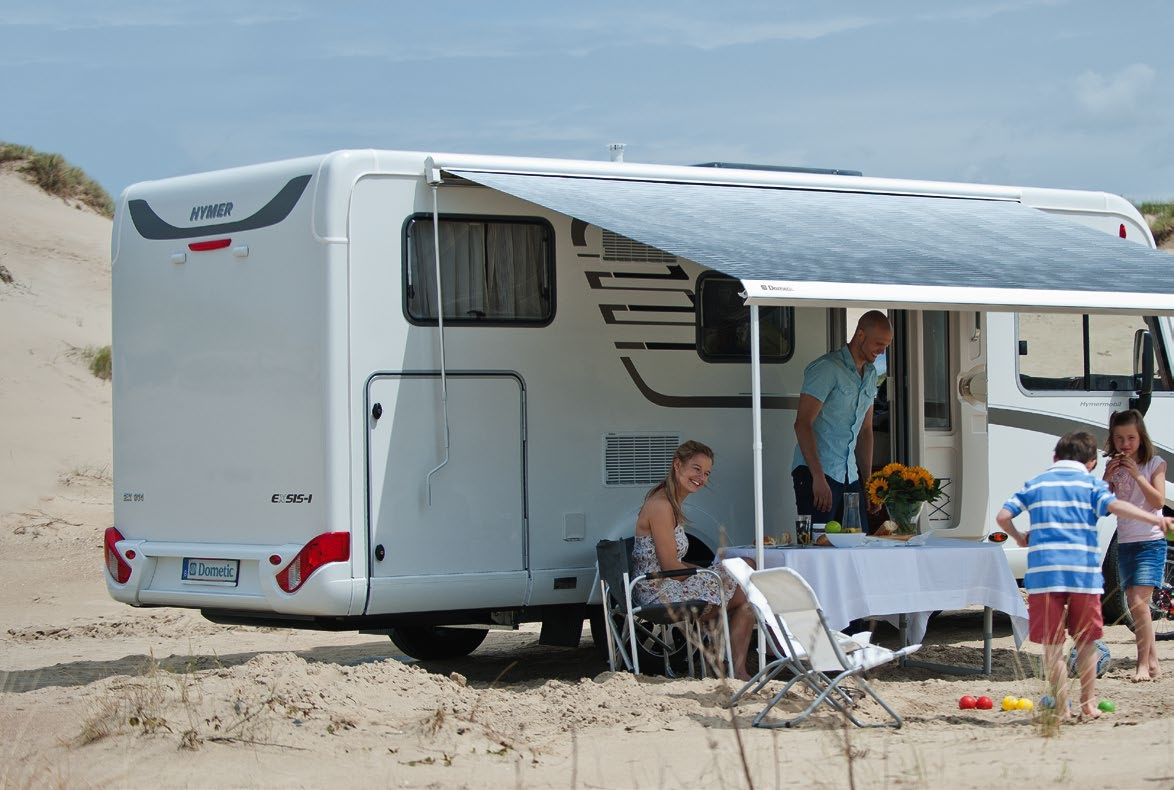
x: 891, y: 578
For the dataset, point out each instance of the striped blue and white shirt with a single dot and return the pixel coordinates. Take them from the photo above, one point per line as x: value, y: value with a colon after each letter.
x: 1064, y: 504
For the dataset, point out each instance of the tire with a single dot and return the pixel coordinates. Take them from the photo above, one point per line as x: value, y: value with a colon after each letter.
x: 649, y: 634
x: 426, y: 642
x: 1162, y: 605
x: 1114, y: 606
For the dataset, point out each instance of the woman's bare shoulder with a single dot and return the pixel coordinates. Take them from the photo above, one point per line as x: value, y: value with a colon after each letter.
x: 656, y: 510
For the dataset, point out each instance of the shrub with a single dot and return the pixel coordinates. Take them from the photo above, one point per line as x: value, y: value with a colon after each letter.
x: 99, y: 362
x: 57, y: 177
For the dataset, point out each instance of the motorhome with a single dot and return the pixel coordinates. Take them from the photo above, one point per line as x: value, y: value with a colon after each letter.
x: 409, y: 392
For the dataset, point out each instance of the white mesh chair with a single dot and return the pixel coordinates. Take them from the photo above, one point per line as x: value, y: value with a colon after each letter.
x: 770, y: 629
x: 823, y: 663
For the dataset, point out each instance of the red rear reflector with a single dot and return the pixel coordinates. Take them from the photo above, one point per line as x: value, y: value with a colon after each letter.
x: 325, y: 548
x: 204, y: 246
x: 1121, y: 231
x: 115, y: 565
x: 997, y: 537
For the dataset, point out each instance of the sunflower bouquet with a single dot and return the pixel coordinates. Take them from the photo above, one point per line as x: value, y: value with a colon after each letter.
x: 902, y: 490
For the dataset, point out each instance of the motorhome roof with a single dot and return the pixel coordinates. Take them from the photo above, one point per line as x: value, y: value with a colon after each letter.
x: 782, y: 168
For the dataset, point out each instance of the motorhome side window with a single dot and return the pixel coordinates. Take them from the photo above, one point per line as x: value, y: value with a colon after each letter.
x: 1082, y: 353
x: 492, y: 271
x: 723, y: 323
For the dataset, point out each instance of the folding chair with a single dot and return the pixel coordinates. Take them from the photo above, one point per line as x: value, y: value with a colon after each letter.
x: 824, y: 664
x: 770, y: 629
x: 663, y: 629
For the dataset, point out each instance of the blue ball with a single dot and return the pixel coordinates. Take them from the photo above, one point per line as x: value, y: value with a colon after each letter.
x: 1104, y: 659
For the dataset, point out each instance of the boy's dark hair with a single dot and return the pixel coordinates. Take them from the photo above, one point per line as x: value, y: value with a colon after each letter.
x: 1077, y: 446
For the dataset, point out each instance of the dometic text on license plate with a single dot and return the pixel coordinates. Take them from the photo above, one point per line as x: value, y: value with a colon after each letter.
x: 210, y: 571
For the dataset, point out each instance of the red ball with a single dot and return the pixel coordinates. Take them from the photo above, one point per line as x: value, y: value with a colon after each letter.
x: 967, y: 703
x: 984, y: 703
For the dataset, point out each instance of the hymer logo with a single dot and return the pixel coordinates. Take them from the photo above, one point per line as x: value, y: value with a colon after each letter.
x: 214, y: 211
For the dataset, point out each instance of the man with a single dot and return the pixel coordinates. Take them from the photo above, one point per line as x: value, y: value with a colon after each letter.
x: 834, y: 422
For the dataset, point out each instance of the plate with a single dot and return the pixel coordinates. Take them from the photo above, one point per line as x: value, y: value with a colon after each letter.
x: 850, y: 540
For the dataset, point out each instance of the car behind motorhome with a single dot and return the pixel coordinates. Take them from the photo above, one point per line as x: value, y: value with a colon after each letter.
x: 409, y: 393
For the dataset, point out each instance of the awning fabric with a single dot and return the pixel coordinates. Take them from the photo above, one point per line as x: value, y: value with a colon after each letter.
x: 802, y: 246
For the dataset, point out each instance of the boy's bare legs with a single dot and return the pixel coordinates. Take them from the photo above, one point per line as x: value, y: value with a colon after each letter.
x: 1143, y: 633
x: 1086, y: 666
x: 1056, y: 677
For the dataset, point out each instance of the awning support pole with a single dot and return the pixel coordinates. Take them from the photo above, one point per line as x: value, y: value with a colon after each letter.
x: 756, y: 444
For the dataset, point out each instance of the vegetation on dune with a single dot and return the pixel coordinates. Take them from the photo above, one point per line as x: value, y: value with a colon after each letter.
x: 97, y: 359
x: 56, y: 176
x: 1162, y: 222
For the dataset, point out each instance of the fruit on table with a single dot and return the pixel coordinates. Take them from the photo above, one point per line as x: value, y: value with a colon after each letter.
x: 967, y: 703
x: 832, y: 527
x: 1025, y: 704
x: 985, y: 703
x: 1107, y: 705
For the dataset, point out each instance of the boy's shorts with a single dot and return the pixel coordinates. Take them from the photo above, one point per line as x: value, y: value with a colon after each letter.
x: 1046, y: 618
x: 1141, y: 564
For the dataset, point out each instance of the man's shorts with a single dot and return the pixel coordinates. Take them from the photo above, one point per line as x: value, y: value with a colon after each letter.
x: 1046, y: 618
x: 1141, y: 564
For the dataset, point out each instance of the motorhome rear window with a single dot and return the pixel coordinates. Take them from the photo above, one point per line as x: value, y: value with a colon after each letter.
x: 1083, y: 353
x: 492, y: 271
x: 723, y: 323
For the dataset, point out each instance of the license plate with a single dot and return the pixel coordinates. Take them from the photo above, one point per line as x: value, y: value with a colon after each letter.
x: 197, y: 570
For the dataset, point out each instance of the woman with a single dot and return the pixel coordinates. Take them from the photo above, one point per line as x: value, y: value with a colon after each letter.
x: 661, y: 543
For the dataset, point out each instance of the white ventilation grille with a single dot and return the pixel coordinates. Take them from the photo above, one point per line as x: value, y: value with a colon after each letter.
x: 637, y: 459
x: 621, y: 248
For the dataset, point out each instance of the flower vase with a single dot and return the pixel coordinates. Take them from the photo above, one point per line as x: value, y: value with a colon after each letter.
x: 907, y: 515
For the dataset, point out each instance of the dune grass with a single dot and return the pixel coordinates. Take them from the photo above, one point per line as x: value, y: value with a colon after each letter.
x: 1162, y: 224
x: 57, y: 177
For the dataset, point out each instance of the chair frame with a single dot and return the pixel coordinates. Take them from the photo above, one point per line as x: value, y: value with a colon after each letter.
x: 644, y: 619
x: 818, y: 651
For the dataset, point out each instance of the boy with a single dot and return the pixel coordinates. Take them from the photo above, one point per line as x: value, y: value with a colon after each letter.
x: 1063, y: 563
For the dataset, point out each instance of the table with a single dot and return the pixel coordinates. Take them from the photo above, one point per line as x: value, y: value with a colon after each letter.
x: 891, y: 579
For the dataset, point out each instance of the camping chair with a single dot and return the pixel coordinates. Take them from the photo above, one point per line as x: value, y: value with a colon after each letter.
x: 660, y: 629
x: 770, y: 628
x: 824, y: 665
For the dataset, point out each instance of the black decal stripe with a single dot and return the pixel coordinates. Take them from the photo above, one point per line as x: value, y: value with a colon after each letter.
x: 151, y: 226
x: 578, y: 233
x: 702, y: 401
x: 595, y: 280
x: 1058, y: 426
x: 609, y: 312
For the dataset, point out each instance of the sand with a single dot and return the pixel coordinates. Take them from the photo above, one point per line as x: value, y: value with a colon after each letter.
x: 98, y: 694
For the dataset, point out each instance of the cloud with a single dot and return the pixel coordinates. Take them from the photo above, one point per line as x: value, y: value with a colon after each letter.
x: 1122, y: 93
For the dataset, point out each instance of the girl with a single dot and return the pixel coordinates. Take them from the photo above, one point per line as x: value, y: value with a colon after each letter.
x: 1136, y: 475
x: 661, y: 544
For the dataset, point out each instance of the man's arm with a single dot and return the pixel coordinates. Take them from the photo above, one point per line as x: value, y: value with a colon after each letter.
x: 809, y: 408
x: 864, y: 442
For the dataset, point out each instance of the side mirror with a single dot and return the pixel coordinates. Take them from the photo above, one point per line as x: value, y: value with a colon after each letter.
x: 1143, y: 370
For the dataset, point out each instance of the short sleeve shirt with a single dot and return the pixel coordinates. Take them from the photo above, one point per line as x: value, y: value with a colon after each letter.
x: 1064, y: 504
x: 1130, y: 530
x: 846, y: 397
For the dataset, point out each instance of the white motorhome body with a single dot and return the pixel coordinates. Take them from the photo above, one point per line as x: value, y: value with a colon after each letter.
x: 303, y: 437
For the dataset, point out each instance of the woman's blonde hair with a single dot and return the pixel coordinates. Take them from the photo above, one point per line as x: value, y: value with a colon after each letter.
x: 683, y: 454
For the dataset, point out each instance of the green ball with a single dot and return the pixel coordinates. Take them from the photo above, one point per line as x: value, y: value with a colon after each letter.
x: 832, y: 526
x: 1107, y: 705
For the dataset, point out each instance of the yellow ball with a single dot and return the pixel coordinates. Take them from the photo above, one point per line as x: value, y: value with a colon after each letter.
x: 1010, y: 703
x: 1025, y: 704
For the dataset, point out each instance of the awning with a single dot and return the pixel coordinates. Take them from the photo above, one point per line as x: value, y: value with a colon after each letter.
x: 791, y: 246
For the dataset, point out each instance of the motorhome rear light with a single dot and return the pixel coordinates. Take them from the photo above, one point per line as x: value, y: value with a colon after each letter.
x: 204, y: 246
x: 327, y: 547
x: 115, y: 565
x: 997, y: 537
x: 1121, y: 231
x: 274, y: 559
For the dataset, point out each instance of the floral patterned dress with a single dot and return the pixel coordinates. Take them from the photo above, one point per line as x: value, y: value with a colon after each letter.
x: 702, y: 586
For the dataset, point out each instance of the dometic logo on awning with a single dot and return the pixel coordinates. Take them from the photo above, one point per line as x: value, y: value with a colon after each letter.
x: 214, y: 211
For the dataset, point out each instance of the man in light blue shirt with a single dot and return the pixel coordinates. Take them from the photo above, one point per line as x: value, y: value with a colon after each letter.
x: 833, y: 425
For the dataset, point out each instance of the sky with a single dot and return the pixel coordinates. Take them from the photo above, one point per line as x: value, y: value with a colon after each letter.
x: 1047, y: 93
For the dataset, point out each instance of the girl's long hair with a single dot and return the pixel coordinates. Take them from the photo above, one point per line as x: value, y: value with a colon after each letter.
x: 669, y: 485
x: 1145, y: 448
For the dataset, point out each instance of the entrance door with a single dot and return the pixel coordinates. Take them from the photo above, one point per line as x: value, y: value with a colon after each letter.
x: 446, y: 535
x: 918, y: 413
